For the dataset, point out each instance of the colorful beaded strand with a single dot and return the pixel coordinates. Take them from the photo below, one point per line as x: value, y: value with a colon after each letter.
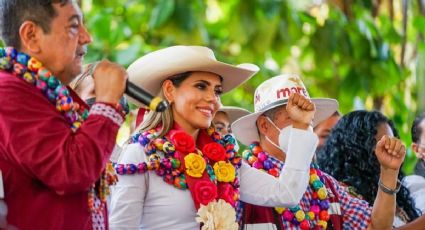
x: 319, y: 204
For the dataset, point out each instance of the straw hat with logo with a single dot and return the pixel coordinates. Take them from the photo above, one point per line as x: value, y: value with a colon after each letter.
x: 275, y: 92
x: 153, y: 68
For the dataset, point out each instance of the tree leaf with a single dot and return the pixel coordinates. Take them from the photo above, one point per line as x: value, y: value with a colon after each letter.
x: 161, y: 13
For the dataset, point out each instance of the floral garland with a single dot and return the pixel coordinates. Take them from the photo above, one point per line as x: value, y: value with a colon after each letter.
x: 210, y: 174
x: 32, y: 71
x: 319, y: 204
x: 223, y: 216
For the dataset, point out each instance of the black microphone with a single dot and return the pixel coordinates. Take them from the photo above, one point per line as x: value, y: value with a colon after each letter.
x: 140, y: 95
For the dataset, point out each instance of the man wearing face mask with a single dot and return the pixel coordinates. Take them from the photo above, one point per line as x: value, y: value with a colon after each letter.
x: 325, y: 204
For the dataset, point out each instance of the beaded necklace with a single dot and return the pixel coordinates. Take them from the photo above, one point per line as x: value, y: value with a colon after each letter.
x: 319, y: 203
x: 161, y: 159
x: 33, y: 72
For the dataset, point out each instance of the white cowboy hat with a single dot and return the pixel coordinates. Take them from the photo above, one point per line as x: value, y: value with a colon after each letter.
x: 234, y: 112
x: 273, y: 93
x: 152, y: 69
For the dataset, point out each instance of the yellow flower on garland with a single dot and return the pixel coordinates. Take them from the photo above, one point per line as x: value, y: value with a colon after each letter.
x: 195, y: 165
x: 322, y: 223
x: 322, y: 193
x: 224, y: 171
x: 279, y: 210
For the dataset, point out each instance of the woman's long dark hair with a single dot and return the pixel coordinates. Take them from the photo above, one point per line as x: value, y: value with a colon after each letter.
x: 349, y: 156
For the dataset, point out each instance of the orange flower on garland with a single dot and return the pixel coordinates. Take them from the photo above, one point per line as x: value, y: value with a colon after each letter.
x: 195, y: 165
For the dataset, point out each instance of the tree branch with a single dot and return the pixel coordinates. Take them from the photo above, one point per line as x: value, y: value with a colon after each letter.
x: 405, y: 5
x: 421, y: 5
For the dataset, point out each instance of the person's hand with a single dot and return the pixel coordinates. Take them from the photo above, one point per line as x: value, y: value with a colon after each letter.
x: 301, y: 110
x: 109, y: 82
x: 390, y: 152
x: 420, y: 155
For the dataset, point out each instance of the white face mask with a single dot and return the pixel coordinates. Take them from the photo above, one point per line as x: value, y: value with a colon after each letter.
x: 283, y: 137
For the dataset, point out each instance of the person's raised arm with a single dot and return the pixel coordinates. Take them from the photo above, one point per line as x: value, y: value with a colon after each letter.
x: 390, y: 153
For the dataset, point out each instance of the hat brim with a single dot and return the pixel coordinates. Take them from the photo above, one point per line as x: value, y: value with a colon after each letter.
x: 234, y: 112
x: 245, y: 128
x: 151, y: 77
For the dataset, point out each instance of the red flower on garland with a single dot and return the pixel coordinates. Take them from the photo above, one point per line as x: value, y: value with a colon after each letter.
x: 183, y: 142
x: 214, y: 151
x: 227, y: 193
x: 205, y: 192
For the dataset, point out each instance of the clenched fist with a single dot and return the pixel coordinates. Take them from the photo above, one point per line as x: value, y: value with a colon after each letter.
x: 390, y: 152
x: 301, y: 110
x: 109, y: 81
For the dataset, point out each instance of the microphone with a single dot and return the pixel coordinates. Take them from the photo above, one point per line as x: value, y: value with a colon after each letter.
x: 132, y: 90
x: 139, y: 94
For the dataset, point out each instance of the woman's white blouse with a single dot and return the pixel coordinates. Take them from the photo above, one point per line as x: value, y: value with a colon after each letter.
x: 145, y: 201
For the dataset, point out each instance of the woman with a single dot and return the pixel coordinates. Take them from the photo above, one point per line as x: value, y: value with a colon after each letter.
x: 203, y: 175
x: 226, y: 116
x: 348, y: 155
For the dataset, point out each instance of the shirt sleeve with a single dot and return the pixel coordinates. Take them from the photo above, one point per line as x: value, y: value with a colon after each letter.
x: 416, y: 186
x: 262, y: 189
x: 128, y: 194
x: 37, y: 139
x: 356, y: 213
